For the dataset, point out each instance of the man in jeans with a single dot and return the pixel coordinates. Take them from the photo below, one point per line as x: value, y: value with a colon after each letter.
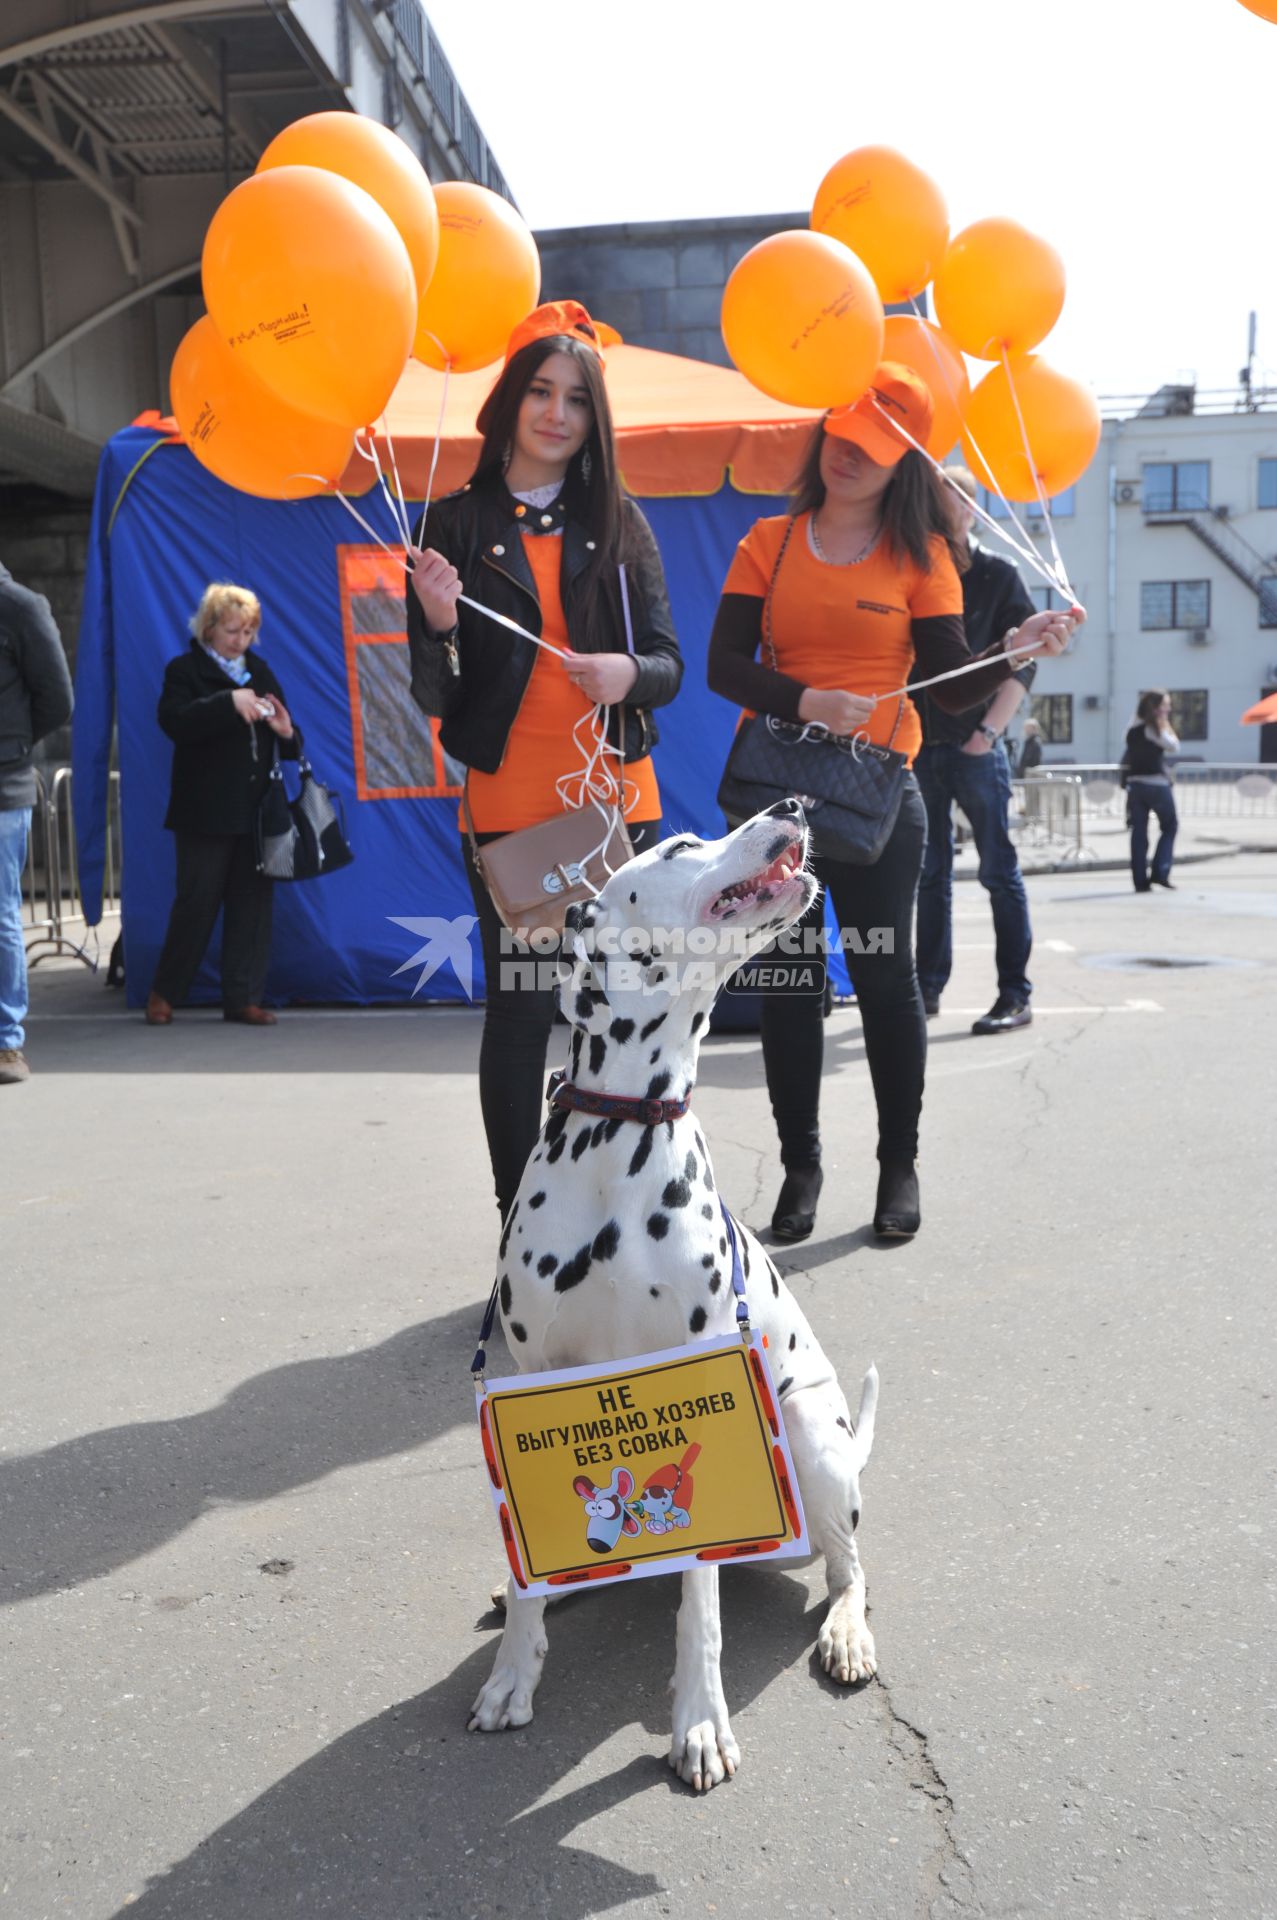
x: 962, y: 759
x: 35, y: 699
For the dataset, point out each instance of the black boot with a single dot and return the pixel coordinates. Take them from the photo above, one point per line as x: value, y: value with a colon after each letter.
x: 898, y: 1214
x: 795, y: 1214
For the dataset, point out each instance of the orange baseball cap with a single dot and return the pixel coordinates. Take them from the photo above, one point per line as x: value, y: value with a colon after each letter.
x: 567, y: 318
x: 896, y: 393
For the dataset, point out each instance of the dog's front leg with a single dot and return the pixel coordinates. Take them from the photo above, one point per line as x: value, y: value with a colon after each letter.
x: 506, y: 1699
x: 704, y: 1749
x: 826, y: 1454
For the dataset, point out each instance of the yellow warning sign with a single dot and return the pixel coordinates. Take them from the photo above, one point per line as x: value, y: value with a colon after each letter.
x: 648, y: 1465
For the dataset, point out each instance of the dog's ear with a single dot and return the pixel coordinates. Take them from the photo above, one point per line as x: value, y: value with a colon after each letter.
x: 583, y: 1488
x: 572, y: 919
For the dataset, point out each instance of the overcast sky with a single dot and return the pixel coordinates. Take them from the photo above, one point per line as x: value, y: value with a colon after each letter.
x: 1137, y: 137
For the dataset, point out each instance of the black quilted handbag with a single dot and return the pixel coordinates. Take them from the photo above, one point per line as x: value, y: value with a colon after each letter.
x: 299, y: 839
x: 849, y: 789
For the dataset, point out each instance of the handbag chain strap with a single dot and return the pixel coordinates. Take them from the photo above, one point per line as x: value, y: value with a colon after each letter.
x: 769, y: 640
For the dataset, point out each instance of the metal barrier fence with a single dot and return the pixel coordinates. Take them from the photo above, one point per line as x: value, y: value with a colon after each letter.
x: 53, y: 909
x: 1222, y: 790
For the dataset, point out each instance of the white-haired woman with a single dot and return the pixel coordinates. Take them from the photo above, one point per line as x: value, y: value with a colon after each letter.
x: 220, y: 708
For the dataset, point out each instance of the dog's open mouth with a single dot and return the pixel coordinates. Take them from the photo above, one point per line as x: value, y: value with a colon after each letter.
x: 757, y: 889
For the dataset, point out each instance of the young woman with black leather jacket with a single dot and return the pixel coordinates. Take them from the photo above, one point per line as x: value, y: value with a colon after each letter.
x: 540, y: 535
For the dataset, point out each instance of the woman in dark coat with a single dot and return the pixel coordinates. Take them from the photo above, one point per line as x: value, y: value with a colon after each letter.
x: 220, y: 709
x: 545, y: 535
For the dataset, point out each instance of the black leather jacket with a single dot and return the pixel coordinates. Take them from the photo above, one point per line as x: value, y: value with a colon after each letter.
x: 477, y: 530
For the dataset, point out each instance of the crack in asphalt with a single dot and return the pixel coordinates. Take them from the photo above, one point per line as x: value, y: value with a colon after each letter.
x: 950, y: 1879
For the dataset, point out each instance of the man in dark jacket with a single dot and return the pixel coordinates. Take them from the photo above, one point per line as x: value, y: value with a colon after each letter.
x: 35, y: 699
x: 962, y: 759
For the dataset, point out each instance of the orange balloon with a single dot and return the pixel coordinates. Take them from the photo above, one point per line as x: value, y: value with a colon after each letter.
x: 998, y: 286
x: 488, y: 278
x: 306, y: 279
x: 1061, y: 425
x: 890, y: 213
x: 243, y: 432
x: 1266, y: 9
x: 375, y: 159
x: 935, y: 358
x: 802, y: 319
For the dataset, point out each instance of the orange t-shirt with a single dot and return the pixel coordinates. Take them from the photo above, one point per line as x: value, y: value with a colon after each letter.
x: 540, y: 750
x: 846, y: 627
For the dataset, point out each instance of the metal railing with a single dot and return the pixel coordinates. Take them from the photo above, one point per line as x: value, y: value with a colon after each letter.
x: 52, y: 905
x: 1205, y: 790
x: 1046, y: 815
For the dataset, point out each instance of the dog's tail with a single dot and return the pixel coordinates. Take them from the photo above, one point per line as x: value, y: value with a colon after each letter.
x: 865, y: 1417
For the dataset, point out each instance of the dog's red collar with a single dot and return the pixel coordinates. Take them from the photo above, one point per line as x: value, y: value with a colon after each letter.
x: 617, y: 1106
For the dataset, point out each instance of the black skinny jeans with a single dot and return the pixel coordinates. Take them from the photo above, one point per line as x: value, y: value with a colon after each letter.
x: 516, y: 1032
x: 895, y: 1026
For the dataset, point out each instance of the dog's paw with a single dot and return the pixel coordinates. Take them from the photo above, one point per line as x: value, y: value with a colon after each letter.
x: 498, y: 1594
x: 506, y: 1701
x: 846, y: 1645
x: 705, y: 1754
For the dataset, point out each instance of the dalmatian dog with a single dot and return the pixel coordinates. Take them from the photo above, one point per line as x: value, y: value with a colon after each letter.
x: 615, y: 1243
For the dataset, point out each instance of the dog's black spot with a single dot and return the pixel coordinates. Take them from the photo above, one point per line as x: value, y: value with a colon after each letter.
x: 577, y: 1038
x: 527, y: 1256
x: 656, y: 1085
x: 689, y: 1167
x: 658, y: 1225
x: 639, y: 1157
x: 708, y: 1178
x: 698, y: 1021
x: 598, y: 1053
x: 644, y: 959
x: 697, y: 1319
x: 715, y: 1281
x: 654, y: 1056
x: 700, y: 1144
x: 707, y: 1259
x: 581, y: 1142
x: 722, y: 1244
x: 633, y: 899
x: 655, y: 1292
x: 506, y: 1230
x: 645, y: 1033
x: 844, y: 1424
x: 556, y: 1150
x: 606, y: 1241
x: 557, y: 1121
x: 587, y: 1000
x: 573, y: 1271
x: 793, y: 1341
x: 744, y: 1248
x: 519, y: 1331
x: 707, y: 1212
x: 855, y: 1518
x: 621, y: 1030
x: 538, y: 1198
x: 677, y: 1194
x: 764, y: 895
x: 775, y: 1282
x: 676, y: 847
x: 786, y: 1384
x: 611, y: 1128
x: 505, y: 1293
x: 546, y: 1265
x: 776, y: 848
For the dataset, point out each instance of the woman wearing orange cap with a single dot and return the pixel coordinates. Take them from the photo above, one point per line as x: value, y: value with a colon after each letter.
x: 858, y: 582
x: 544, y: 534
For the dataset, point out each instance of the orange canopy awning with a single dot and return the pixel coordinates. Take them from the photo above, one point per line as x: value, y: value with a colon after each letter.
x: 1261, y: 713
x: 681, y: 427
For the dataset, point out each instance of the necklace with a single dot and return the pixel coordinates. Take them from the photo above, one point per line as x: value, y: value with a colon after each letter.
x: 855, y: 559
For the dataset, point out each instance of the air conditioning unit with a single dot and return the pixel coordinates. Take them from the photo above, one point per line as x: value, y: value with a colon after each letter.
x: 1092, y: 702
x: 1128, y: 490
x: 1201, y: 637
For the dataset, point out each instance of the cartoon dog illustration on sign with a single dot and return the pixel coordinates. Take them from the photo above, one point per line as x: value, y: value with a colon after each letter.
x: 606, y: 1515
x: 666, y: 1500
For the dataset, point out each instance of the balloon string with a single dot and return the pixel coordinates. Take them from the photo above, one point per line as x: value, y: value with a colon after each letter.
x: 1037, y: 482
x: 1024, y: 546
x: 403, y: 516
x: 369, y: 453
x: 434, y: 456
x: 955, y: 673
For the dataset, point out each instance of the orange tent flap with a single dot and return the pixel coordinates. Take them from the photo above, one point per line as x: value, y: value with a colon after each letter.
x: 680, y: 425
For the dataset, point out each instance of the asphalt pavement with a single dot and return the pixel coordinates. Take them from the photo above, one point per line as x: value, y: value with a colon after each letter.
x: 246, y: 1543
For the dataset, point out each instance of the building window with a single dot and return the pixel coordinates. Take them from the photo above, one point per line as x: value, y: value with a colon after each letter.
x: 1054, y: 714
x: 1063, y: 507
x: 1047, y: 599
x: 1190, y: 713
x: 1174, y: 603
x: 1180, y: 488
x: 1268, y: 600
x: 1268, y: 483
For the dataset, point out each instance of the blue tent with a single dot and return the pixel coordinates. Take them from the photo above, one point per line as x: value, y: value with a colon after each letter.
x: 332, y: 630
